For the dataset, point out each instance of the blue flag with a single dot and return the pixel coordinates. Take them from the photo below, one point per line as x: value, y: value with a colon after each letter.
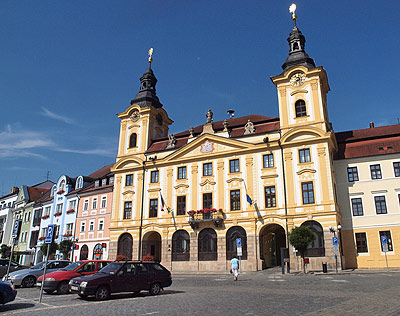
x: 249, y: 199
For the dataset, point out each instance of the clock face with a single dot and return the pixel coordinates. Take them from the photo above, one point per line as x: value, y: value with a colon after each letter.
x: 297, y: 79
x: 135, y: 116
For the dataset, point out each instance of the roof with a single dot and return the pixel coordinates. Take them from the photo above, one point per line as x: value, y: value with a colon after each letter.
x: 91, y: 188
x: 101, y: 172
x: 372, y: 141
x: 43, y: 198
x: 262, y: 124
x: 36, y: 193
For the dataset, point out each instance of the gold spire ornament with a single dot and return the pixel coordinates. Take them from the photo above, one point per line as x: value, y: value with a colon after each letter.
x: 292, y: 9
x: 150, y: 54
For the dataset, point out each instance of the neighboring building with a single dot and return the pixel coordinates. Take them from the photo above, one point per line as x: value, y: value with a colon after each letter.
x: 6, y: 215
x: 367, y: 168
x: 91, y: 231
x: 284, y: 163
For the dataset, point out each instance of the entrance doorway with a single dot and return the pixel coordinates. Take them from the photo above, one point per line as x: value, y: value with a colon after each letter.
x: 152, y: 246
x: 272, y: 239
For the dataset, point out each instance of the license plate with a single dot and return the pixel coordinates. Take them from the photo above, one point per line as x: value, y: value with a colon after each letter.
x: 74, y: 287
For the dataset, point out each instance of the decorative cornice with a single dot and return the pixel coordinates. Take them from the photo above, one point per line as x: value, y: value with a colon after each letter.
x: 298, y: 91
x: 181, y: 185
x: 234, y: 179
x: 269, y: 176
x: 128, y: 192
x: 306, y: 170
x: 154, y: 190
x: 206, y: 182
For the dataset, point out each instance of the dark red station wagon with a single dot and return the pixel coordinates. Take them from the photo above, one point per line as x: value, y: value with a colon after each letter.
x: 126, y: 276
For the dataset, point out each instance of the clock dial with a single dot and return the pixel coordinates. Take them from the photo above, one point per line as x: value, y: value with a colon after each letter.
x: 297, y: 79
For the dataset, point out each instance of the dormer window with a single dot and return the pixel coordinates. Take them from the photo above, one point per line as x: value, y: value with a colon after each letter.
x: 132, y: 140
x: 62, y: 186
x: 301, y: 109
x: 97, y: 183
x: 104, y: 182
x: 53, y: 191
x: 79, y: 183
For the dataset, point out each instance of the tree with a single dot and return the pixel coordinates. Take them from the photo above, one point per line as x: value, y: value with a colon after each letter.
x: 53, y: 249
x: 65, y: 247
x: 5, y: 251
x: 300, y: 238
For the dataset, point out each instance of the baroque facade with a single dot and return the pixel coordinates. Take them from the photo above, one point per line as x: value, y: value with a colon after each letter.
x: 184, y: 199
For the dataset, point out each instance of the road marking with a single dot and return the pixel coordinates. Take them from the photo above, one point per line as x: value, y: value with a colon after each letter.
x: 327, y: 277
x: 151, y: 313
x: 343, y: 281
x: 220, y: 279
x: 277, y: 280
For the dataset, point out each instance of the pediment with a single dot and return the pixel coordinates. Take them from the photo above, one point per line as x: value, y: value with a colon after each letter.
x: 301, y: 134
x: 129, y: 162
x: 209, y: 145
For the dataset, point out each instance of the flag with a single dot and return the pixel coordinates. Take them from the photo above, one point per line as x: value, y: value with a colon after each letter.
x: 162, y: 203
x: 249, y: 199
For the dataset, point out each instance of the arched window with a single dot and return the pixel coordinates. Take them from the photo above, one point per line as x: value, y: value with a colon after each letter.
x: 125, y: 245
x: 232, y: 234
x: 301, y: 109
x: 132, y: 140
x: 180, y: 246
x: 84, y: 253
x: 98, y: 252
x: 79, y: 183
x: 316, y: 248
x: 53, y: 191
x: 62, y: 186
x: 208, y: 245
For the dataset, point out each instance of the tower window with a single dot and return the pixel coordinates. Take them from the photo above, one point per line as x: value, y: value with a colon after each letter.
x: 132, y: 140
x: 301, y: 110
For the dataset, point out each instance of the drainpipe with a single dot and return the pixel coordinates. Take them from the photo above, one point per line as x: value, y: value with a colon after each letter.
x: 141, y: 210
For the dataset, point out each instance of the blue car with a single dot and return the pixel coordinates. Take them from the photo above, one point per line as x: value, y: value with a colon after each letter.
x: 7, y: 292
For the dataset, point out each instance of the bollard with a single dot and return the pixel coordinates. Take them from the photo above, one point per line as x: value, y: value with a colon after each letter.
x: 324, y: 268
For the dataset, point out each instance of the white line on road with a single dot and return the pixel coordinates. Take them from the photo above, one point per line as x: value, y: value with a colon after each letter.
x: 343, y: 281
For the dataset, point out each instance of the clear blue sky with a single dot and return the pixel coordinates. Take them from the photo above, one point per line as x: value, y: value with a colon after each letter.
x: 67, y: 67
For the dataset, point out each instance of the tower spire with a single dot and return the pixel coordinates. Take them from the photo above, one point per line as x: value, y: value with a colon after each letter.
x: 297, y: 54
x: 147, y: 92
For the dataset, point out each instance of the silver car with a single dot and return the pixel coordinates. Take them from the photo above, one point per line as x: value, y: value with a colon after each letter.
x: 28, y: 277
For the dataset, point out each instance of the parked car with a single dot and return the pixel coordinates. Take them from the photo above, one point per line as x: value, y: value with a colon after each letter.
x: 129, y: 276
x: 58, y: 280
x: 28, y: 277
x: 7, y: 292
x: 13, y: 267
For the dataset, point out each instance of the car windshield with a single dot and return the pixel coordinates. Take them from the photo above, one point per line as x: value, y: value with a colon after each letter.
x: 111, y: 268
x: 72, y: 266
x: 39, y: 266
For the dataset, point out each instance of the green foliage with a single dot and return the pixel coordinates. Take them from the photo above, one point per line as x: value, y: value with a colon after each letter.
x: 53, y: 249
x: 5, y: 251
x: 300, y: 238
x: 65, y: 247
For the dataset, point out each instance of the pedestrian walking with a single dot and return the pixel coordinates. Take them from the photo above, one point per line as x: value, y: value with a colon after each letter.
x: 235, y: 268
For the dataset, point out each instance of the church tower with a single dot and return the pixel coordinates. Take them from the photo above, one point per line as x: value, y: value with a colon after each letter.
x: 144, y: 120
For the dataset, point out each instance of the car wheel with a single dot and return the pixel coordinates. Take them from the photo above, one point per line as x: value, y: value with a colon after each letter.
x: 155, y: 289
x: 82, y: 296
x: 102, y: 293
x: 49, y: 291
x: 62, y: 288
x: 29, y: 281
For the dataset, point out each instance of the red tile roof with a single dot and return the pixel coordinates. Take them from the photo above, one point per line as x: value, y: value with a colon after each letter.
x: 36, y: 193
x: 263, y: 124
x: 368, y: 142
x: 101, y: 172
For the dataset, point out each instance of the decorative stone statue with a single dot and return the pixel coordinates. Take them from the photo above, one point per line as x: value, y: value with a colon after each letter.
x: 209, y: 116
x: 191, y: 132
x: 171, y: 141
x: 249, y: 128
x: 225, y: 125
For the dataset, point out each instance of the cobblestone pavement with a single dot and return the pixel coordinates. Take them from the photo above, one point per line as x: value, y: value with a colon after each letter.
x: 259, y: 293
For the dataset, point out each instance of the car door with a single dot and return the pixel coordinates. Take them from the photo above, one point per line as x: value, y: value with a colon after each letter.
x: 142, y: 281
x: 125, y: 279
x: 87, y: 268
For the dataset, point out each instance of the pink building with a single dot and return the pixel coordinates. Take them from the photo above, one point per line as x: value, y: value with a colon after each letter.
x: 93, y: 218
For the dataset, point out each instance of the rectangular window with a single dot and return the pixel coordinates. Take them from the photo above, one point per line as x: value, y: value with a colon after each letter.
x: 357, y: 207
x: 47, y: 210
x: 376, y: 172
x: 234, y: 165
x: 44, y: 232
x: 59, y: 208
x: 304, y: 155
x: 207, y: 200
x: 127, y: 210
x: 104, y: 182
x: 83, y: 224
x: 86, y: 205
x: 68, y: 229
x: 91, y: 226
x: 129, y: 180
x: 270, y: 197
x: 153, y: 208
x: 268, y: 161
x: 235, y: 200
x: 181, y: 205
x: 154, y: 176
x: 94, y: 204
x: 380, y: 205
x: 56, y: 230
x: 101, y: 224
x: 103, y: 202
x: 352, y: 174
x: 308, y: 192
x: 72, y: 205
x: 361, y: 241
x: 388, y: 238
x: 181, y: 172
x: 111, y: 181
x: 207, y: 169
x: 396, y: 167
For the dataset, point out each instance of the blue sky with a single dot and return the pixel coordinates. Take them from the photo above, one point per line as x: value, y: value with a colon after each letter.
x: 67, y: 67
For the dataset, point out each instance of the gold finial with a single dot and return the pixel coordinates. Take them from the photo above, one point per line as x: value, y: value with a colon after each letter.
x: 292, y: 9
x: 150, y: 53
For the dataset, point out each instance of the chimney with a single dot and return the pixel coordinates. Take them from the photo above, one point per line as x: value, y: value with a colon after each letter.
x: 371, y: 125
x: 14, y: 190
